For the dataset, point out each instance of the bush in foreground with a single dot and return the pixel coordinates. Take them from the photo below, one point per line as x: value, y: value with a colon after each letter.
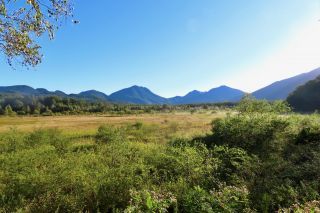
x: 251, y: 162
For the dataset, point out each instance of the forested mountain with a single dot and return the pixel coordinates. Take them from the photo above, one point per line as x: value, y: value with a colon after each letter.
x: 92, y: 95
x: 306, y: 98
x: 24, y: 90
x: 219, y: 94
x: 137, y: 95
x: 282, y: 89
x: 29, y: 91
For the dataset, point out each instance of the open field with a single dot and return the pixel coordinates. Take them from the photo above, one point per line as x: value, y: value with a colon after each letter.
x: 181, y: 123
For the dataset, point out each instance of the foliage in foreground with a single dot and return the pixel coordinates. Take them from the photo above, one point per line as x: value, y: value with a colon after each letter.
x: 46, y: 172
x: 251, y: 162
x: 313, y: 206
x: 24, y: 21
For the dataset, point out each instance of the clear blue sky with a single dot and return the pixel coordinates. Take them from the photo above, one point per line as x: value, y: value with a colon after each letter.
x: 175, y: 46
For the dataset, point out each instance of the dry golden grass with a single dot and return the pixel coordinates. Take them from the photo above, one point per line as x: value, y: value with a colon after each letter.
x: 182, y: 123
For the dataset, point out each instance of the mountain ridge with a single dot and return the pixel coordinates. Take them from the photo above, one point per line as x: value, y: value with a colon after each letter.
x: 142, y: 95
x: 134, y: 95
x: 283, y: 88
x: 219, y: 94
x: 137, y: 95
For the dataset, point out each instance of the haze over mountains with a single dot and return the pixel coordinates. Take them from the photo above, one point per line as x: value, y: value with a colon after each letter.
x: 135, y: 95
x: 282, y: 89
x: 141, y: 95
x: 219, y: 94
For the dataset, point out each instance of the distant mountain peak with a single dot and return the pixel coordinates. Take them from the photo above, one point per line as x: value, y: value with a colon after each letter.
x: 223, y: 87
x: 18, y: 87
x: 92, y: 95
x: 219, y: 94
x: 136, y: 87
x: 22, y: 89
x: 194, y: 92
x: 137, y: 95
x: 90, y: 91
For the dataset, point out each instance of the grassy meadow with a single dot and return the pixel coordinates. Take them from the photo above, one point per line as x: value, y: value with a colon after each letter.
x: 163, y: 124
x: 258, y: 157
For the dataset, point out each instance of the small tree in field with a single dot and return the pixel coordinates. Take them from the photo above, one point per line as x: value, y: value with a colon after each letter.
x: 8, y: 111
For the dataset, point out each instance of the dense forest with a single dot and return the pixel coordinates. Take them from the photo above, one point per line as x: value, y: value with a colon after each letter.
x: 306, y: 98
x: 12, y: 105
x: 261, y: 159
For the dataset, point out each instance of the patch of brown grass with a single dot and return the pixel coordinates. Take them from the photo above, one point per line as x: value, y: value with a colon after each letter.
x: 168, y: 124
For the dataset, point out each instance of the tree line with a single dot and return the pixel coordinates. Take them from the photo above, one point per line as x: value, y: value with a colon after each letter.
x: 11, y: 105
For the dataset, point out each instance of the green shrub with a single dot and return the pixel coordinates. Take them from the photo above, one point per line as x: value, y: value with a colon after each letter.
x: 138, y: 125
x: 250, y: 105
x: 49, y: 136
x: 11, y: 141
x: 109, y: 134
x: 275, y: 156
x: 231, y: 199
x: 312, y: 206
x: 84, y: 148
x: 197, y: 200
x: 235, y: 166
x: 8, y: 111
x: 259, y: 134
x: 151, y: 201
x: 224, y: 199
x: 184, y: 142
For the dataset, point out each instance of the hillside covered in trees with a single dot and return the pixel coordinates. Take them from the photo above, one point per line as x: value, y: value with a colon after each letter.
x: 280, y: 90
x: 306, y: 98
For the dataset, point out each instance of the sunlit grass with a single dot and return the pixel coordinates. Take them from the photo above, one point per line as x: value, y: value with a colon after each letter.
x: 155, y: 127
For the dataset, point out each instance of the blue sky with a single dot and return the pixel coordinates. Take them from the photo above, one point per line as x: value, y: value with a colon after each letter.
x: 175, y: 46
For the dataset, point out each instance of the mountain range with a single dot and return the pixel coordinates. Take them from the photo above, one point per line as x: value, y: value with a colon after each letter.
x: 219, y: 94
x: 141, y: 95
